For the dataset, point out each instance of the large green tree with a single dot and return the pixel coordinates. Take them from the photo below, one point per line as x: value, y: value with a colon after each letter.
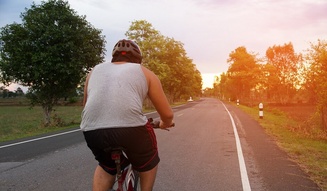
x: 183, y: 80
x: 50, y: 51
x: 151, y: 43
x: 167, y: 58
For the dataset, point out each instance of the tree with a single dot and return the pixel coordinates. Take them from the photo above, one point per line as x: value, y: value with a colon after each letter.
x: 151, y: 43
x: 49, y: 52
x: 217, y: 89
x: 242, y: 74
x: 4, y: 92
x: 183, y: 79
x: 222, y: 85
x: 285, y: 64
x: 19, y: 91
x: 316, y: 78
x: 167, y: 58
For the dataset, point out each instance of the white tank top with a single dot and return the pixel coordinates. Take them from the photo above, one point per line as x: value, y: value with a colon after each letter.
x: 115, y: 96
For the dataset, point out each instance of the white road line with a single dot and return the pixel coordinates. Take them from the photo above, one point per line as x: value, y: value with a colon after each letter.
x: 18, y: 143
x: 244, y: 174
x: 180, y: 114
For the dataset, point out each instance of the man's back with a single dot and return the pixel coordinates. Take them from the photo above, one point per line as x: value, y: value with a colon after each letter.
x: 115, y: 96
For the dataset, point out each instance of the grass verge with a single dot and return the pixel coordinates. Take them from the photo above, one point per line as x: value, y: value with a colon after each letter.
x: 310, y: 153
x: 19, y: 122
x: 22, y: 121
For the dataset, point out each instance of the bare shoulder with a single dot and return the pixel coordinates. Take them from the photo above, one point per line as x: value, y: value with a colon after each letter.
x: 150, y: 76
x: 147, y: 71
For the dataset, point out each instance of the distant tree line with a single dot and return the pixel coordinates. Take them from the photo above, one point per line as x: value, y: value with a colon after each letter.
x: 282, y: 76
x: 5, y: 93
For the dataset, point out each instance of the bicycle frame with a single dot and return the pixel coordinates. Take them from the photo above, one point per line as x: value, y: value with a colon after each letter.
x: 128, y: 178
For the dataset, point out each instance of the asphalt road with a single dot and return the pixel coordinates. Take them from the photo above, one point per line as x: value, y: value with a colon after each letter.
x: 203, y: 152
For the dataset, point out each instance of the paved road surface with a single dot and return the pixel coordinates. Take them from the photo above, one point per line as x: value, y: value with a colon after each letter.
x: 200, y: 153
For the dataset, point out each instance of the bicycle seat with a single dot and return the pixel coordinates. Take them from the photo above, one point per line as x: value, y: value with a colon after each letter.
x: 112, y: 149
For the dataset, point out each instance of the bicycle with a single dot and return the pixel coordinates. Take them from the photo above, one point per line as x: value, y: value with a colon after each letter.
x: 127, y: 179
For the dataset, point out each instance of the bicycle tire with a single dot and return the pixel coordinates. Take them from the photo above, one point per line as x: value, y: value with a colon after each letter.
x: 131, y: 183
x: 124, y: 177
x: 137, y: 183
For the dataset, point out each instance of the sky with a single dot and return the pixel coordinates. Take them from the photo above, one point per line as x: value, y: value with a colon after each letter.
x: 209, y: 29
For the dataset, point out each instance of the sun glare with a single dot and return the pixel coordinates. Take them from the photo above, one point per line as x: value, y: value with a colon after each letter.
x: 208, y: 79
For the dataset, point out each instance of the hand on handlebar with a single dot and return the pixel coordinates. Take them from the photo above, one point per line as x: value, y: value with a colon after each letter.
x: 160, y: 124
x: 164, y: 126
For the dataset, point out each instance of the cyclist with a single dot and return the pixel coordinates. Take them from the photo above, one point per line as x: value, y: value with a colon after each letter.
x: 112, y: 116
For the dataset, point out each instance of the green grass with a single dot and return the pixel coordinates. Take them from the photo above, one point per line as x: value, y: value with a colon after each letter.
x: 310, y: 153
x: 22, y: 121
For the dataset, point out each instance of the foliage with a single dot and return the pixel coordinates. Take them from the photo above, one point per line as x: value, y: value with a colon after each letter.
x: 283, y: 67
x: 5, y: 93
x: 250, y: 79
x: 49, y: 52
x: 242, y: 76
x: 316, y: 77
x: 285, y: 78
x: 167, y: 58
x: 221, y: 86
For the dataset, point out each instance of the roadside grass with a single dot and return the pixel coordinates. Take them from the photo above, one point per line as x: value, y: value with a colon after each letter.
x: 22, y: 121
x: 309, y: 151
x: 19, y: 122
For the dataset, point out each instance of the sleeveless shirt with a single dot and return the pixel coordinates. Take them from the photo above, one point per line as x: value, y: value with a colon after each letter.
x: 115, y: 96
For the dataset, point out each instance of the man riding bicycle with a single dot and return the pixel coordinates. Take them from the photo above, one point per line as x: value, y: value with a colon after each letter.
x: 112, y: 116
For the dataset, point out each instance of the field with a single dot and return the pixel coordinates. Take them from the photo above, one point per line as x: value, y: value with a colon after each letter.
x: 22, y: 121
x: 297, y: 112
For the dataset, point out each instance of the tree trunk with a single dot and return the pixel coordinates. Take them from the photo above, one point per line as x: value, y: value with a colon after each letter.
x: 47, y: 115
x: 324, y: 116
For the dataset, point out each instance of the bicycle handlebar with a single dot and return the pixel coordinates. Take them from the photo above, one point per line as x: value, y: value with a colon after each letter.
x: 155, y: 124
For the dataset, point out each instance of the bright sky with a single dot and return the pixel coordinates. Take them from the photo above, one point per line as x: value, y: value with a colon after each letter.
x: 209, y: 29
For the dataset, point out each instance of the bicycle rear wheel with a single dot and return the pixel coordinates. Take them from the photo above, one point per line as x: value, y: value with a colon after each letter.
x: 137, y: 183
x: 131, y: 181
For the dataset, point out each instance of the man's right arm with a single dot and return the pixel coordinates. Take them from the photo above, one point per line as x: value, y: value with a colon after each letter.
x: 159, y: 99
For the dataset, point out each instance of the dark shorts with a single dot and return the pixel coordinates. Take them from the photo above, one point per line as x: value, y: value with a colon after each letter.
x: 140, y: 146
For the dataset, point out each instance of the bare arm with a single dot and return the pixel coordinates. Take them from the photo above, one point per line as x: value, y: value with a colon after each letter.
x: 159, y: 99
